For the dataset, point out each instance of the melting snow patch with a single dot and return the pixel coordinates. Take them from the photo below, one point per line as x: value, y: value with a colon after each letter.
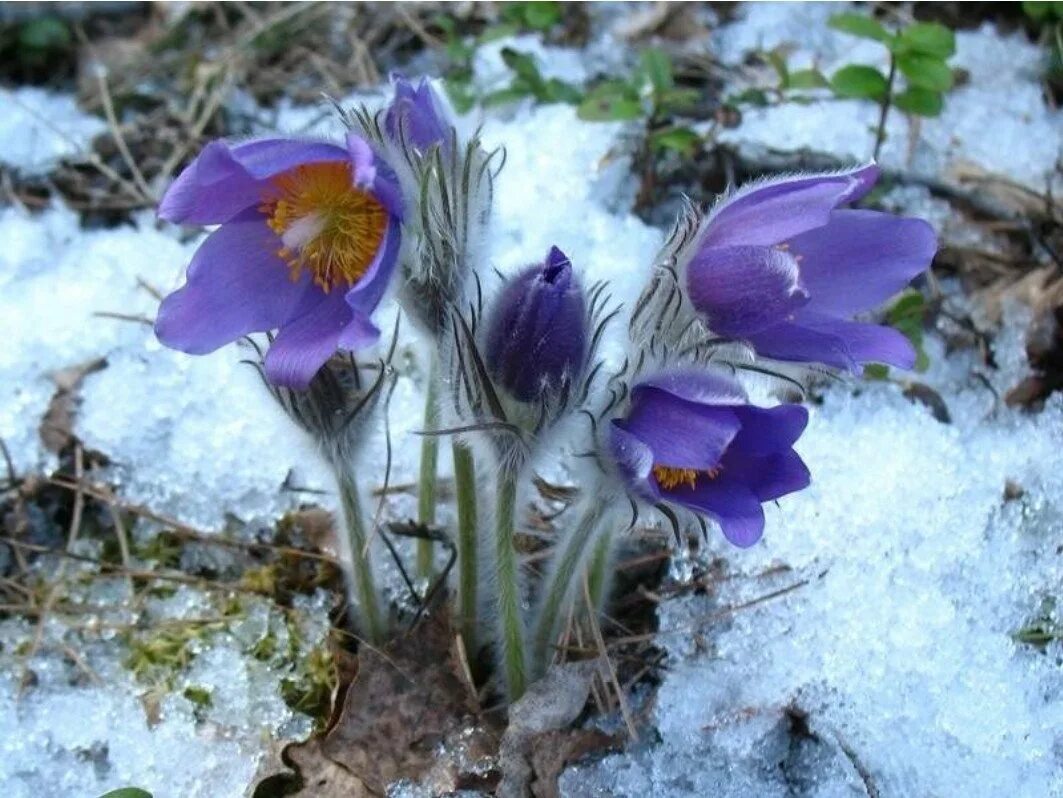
x: 38, y: 127
x: 914, y: 572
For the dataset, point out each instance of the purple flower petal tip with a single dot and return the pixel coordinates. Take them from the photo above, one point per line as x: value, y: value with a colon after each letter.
x: 693, y: 440
x: 309, y: 239
x: 784, y: 266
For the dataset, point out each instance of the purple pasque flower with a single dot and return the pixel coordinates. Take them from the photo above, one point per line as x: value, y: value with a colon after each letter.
x: 692, y: 439
x: 417, y: 114
x: 308, y: 241
x: 537, y: 330
x: 783, y: 266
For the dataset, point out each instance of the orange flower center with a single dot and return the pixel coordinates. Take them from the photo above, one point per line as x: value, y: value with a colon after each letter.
x: 327, y: 226
x: 669, y: 477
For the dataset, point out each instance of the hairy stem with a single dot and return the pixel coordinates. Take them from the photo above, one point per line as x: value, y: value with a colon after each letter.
x: 507, y: 578
x: 598, y: 572
x: 565, y: 571
x: 363, y: 596
x: 468, y: 546
x: 426, y: 492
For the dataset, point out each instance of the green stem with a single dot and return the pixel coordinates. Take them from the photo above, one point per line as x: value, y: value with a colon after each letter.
x: 508, y: 587
x: 560, y: 584
x: 468, y: 546
x: 598, y: 571
x: 426, y: 495
x: 364, y: 600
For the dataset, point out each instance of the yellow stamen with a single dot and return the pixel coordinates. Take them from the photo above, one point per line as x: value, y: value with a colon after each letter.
x: 326, y: 225
x: 669, y: 477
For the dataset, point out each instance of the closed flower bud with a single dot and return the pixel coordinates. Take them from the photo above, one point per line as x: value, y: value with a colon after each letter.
x: 417, y: 114
x: 537, y: 331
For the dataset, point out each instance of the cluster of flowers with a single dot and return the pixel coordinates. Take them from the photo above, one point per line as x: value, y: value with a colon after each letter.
x: 313, y: 235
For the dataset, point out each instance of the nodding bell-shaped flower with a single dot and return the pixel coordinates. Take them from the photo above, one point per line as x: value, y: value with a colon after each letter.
x: 692, y: 439
x: 537, y: 331
x: 308, y: 241
x: 416, y: 115
x: 784, y: 267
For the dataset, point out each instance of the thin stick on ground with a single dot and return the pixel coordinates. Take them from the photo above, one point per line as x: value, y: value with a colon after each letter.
x: 603, y: 652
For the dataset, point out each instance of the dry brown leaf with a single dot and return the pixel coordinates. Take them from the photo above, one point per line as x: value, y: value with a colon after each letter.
x: 402, y: 709
x: 57, y: 425
x: 553, y: 751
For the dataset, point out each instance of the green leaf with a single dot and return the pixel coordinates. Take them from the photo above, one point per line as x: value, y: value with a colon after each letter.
x: 542, y: 15
x: 859, y: 25
x: 876, y: 371
x: 906, y: 315
x: 655, y: 67
x: 679, y: 100
x: 461, y: 93
x: 1043, y: 11
x: 919, y: 101
x: 678, y: 139
x: 806, y: 79
x: 127, y: 792
x: 925, y: 71
x: 778, y: 63
x: 610, y: 102
x: 859, y: 81
x: 521, y: 63
x: 928, y: 38
x: 44, y: 33
x: 513, y: 94
x: 751, y: 96
x: 558, y: 91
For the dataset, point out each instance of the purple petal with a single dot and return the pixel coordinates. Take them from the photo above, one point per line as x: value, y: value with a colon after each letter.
x: 702, y: 387
x: 634, y: 460
x: 224, y: 180
x: 861, y: 258
x: 870, y: 343
x: 770, y: 213
x: 303, y: 345
x: 741, y: 290
x: 734, y: 506
x: 372, y: 175
x: 417, y: 112
x: 680, y: 434
x: 780, y: 474
x: 812, y: 338
x: 766, y: 430
x: 236, y: 284
x: 366, y: 294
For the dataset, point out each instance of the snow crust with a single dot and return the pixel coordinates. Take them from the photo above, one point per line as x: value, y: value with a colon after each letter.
x: 39, y: 127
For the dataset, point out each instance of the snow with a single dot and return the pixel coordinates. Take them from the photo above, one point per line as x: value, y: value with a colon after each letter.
x: 914, y: 569
x: 39, y: 127
x: 918, y: 572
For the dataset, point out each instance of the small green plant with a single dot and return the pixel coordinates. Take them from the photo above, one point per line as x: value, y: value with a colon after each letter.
x: 919, y: 52
x: 1045, y: 628
x: 906, y: 315
x: 1047, y: 18
x: 127, y: 792
x: 527, y: 81
x: 649, y: 93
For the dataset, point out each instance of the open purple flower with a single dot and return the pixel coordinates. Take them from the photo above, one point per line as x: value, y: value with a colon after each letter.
x: 308, y: 241
x: 782, y: 266
x: 692, y: 439
x: 417, y: 113
x: 537, y: 330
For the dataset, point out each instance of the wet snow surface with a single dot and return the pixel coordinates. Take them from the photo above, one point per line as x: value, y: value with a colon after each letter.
x: 910, y: 570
